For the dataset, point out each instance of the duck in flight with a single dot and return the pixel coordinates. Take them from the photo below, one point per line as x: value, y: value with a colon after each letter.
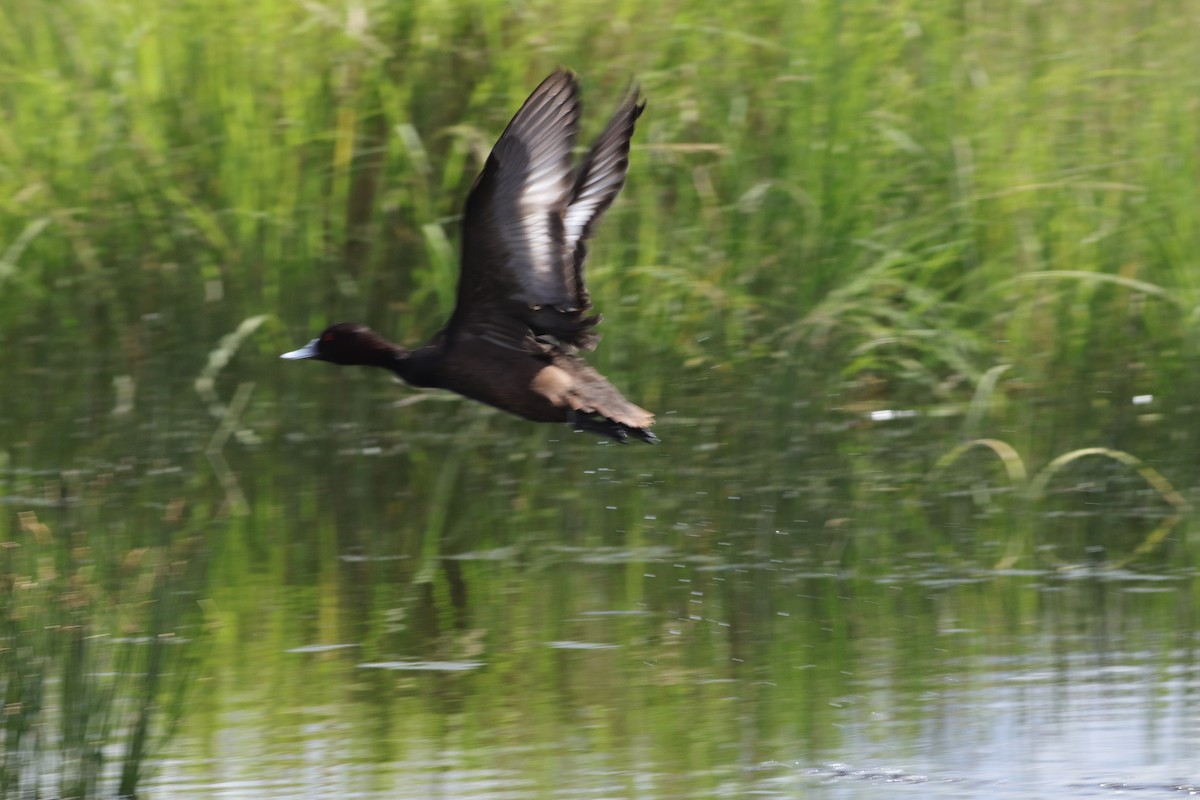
x: 521, y: 315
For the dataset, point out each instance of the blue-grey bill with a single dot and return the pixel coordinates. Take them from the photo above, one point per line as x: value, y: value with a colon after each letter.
x: 308, y: 351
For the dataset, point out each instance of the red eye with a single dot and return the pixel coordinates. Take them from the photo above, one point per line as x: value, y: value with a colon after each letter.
x: 327, y: 337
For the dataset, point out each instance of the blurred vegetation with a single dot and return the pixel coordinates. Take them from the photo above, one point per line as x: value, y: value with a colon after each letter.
x: 97, y: 653
x: 903, y: 193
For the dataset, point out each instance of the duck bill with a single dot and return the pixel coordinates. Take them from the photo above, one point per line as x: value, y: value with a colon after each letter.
x: 308, y: 351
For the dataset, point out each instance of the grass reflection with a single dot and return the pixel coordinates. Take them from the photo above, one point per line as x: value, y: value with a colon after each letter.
x: 97, y: 650
x: 695, y: 677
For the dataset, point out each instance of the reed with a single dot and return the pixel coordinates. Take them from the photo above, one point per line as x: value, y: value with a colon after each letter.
x: 873, y: 185
x: 1147, y: 505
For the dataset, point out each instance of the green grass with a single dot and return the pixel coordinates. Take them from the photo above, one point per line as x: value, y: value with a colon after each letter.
x: 877, y: 182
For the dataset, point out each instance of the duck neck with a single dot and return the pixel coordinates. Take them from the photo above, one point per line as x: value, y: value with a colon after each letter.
x: 414, y: 367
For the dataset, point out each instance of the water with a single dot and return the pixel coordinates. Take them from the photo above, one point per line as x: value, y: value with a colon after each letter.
x: 435, y: 601
x: 1038, y: 686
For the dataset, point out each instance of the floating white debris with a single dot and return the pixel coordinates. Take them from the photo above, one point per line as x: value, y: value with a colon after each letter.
x: 319, y: 648
x: 887, y: 414
x: 424, y: 666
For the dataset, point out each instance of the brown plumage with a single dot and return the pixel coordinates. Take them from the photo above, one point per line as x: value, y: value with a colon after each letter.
x: 522, y: 309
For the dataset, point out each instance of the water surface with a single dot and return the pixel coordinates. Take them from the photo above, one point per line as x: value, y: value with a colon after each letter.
x: 428, y: 599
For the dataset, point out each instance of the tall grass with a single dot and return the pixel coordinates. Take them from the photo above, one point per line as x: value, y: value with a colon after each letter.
x: 866, y: 178
x: 899, y: 197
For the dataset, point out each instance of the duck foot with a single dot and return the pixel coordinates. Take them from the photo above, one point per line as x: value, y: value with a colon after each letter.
x: 603, y: 426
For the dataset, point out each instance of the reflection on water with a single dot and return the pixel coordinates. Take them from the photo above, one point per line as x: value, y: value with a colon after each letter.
x: 756, y: 608
x: 997, y: 686
x: 766, y: 680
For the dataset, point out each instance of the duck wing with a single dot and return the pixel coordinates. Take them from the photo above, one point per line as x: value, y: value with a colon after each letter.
x: 598, y: 182
x: 530, y: 212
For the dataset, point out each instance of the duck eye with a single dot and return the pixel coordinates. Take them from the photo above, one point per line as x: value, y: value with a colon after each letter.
x: 327, y: 337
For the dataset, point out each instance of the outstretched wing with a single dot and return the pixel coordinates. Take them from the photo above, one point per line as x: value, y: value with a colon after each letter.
x: 599, y: 181
x: 528, y: 215
x: 513, y: 224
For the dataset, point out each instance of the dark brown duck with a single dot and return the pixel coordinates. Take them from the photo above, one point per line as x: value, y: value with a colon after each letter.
x: 521, y: 312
